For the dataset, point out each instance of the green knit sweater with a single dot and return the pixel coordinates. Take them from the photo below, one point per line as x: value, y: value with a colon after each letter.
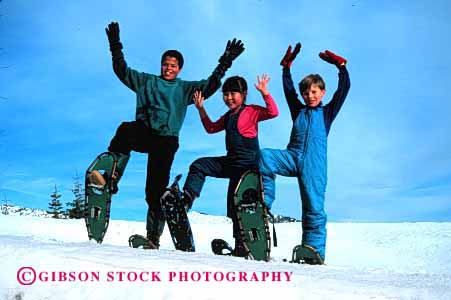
x: 162, y: 104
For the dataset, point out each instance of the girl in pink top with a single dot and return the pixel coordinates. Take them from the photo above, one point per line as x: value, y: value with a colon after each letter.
x: 241, y: 126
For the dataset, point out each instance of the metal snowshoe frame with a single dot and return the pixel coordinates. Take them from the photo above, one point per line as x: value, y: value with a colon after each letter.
x: 252, y: 216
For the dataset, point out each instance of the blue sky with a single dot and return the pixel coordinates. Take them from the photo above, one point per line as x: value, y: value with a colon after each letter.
x: 389, y: 148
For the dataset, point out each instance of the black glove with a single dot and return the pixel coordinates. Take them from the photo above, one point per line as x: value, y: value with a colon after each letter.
x: 113, y: 35
x: 233, y: 50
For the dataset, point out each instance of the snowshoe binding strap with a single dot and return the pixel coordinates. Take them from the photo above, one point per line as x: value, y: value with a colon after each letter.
x: 273, y: 221
x: 97, y: 180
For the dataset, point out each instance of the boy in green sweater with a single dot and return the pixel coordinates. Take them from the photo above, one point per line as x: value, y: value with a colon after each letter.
x: 161, y: 104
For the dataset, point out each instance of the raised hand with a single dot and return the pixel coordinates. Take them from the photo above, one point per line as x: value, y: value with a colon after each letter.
x: 332, y: 58
x: 289, y: 56
x: 262, y: 84
x: 113, y: 32
x: 233, y: 49
x: 198, y: 99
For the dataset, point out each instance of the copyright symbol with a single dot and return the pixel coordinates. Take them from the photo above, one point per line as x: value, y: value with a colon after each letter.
x: 26, y: 276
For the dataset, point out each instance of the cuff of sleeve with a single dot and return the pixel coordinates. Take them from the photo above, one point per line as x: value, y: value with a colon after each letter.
x: 117, y: 54
x: 220, y: 70
x: 267, y: 97
x: 342, y: 68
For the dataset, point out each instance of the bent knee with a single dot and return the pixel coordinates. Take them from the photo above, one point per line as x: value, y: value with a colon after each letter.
x: 198, y: 165
x: 263, y: 162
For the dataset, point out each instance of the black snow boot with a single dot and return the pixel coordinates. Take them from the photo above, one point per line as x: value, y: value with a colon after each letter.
x: 153, y: 240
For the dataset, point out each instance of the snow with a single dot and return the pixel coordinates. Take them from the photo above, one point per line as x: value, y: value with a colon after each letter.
x: 364, y: 261
x: 13, y: 210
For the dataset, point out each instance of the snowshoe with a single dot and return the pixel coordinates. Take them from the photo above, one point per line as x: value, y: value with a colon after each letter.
x: 139, y: 241
x: 221, y: 247
x: 176, y: 217
x: 305, y: 254
x: 100, y: 183
x: 252, y: 217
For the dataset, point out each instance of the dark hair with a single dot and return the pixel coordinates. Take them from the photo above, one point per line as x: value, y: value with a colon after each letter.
x: 308, y: 80
x: 235, y: 84
x: 173, y: 53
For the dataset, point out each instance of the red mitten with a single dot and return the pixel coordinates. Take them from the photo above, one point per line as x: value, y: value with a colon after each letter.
x: 332, y: 58
x: 289, y: 56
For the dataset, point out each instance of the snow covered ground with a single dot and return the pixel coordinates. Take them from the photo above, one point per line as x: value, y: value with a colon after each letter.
x: 44, y: 258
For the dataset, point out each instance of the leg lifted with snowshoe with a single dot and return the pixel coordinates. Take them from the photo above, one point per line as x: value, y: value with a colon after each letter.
x: 176, y: 217
x: 100, y: 184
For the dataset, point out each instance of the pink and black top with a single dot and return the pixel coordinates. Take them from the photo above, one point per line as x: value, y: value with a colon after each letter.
x: 242, y: 131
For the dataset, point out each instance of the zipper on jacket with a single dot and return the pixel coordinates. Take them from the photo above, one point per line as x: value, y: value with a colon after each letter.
x: 307, y: 135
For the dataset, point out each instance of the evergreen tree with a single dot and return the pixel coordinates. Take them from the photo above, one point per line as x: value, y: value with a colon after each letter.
x: 77, y: 206
x: 55, y: 206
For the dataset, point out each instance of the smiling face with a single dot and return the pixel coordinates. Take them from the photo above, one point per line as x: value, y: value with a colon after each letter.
x: 234, y: 91
x: 170, y: 68
x: 233, y: 100
x: 313, y: 95
x: 312, y: 88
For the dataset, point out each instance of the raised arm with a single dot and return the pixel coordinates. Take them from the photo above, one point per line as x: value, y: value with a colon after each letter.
x: 288, y: 87
x: 344, y: 84
x: 271, y: 110
x: 210, y: 127
x: 209, y: 86
x: 131, y: 78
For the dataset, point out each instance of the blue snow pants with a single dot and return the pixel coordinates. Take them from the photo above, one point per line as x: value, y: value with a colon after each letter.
x: 219, y: 167
x: 306, y: 159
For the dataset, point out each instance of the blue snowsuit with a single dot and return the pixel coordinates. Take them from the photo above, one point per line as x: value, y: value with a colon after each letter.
x: 305, y: 157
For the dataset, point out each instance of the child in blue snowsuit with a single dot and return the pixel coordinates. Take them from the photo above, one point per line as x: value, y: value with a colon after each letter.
x: 306, y: 153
